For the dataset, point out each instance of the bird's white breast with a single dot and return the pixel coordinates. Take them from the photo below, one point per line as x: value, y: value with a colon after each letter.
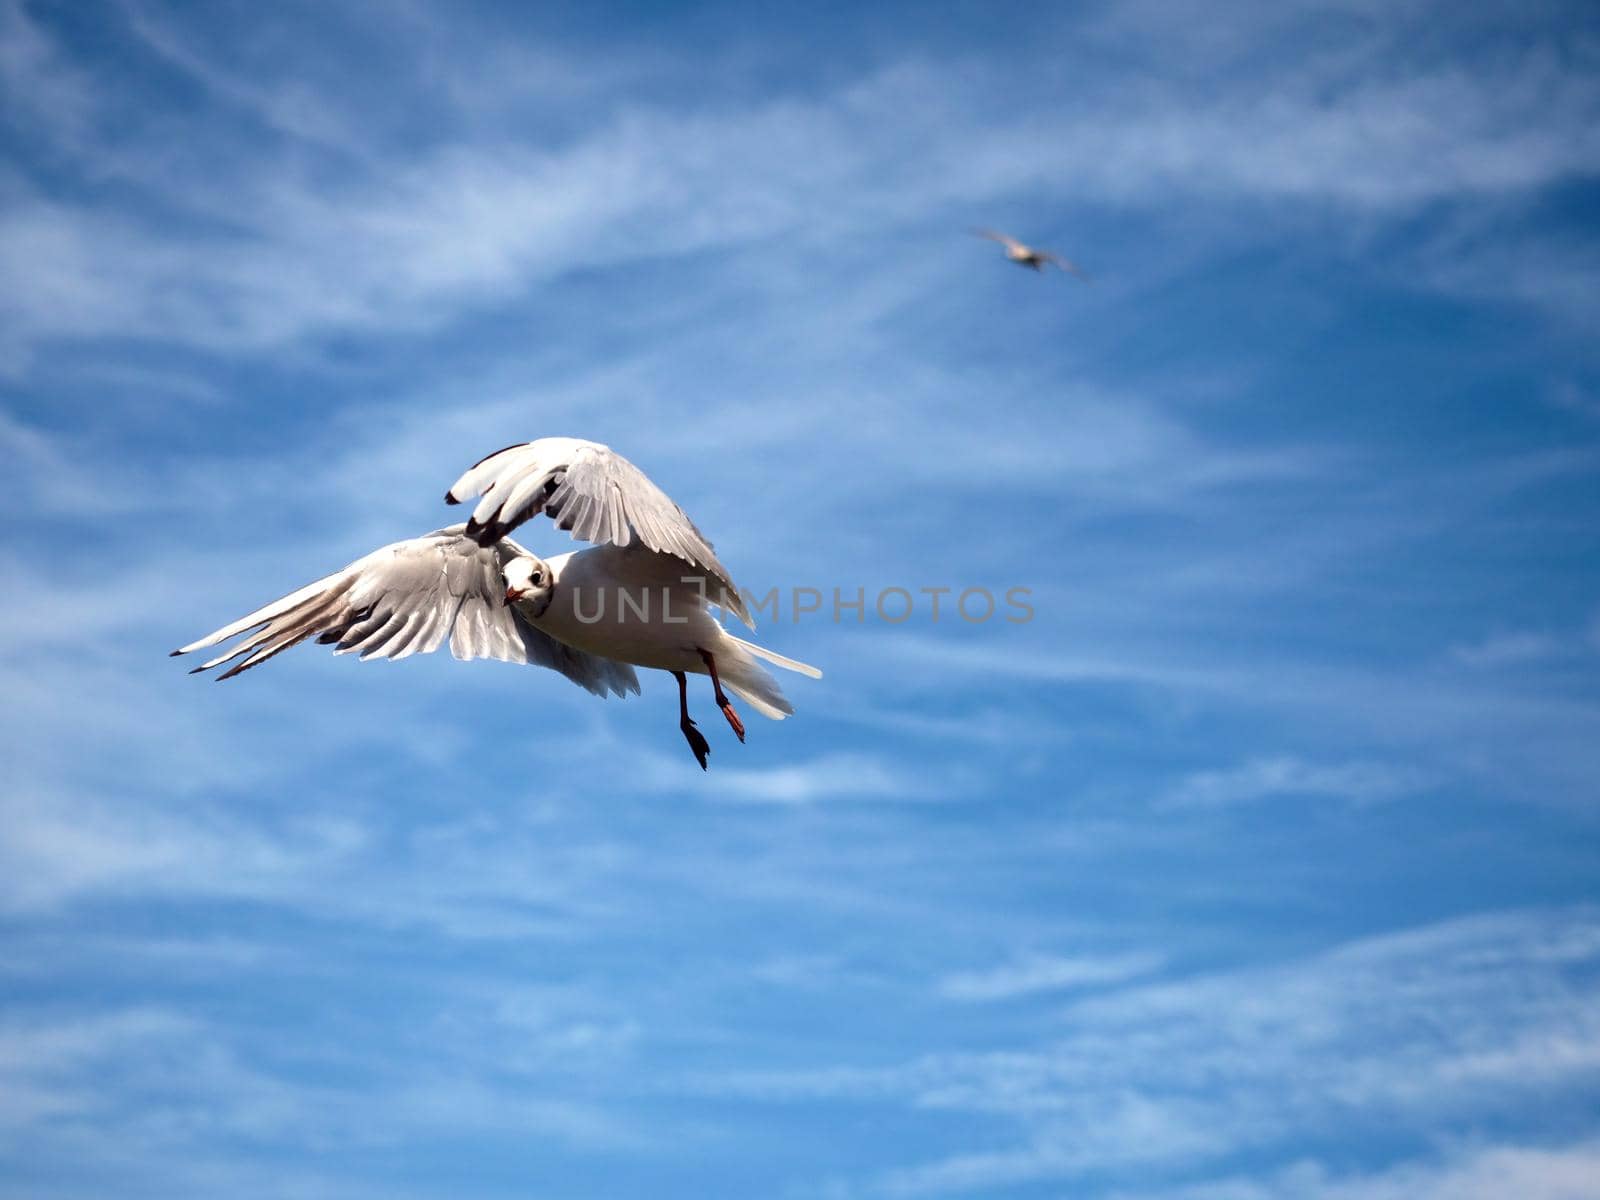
x: 632, y: 605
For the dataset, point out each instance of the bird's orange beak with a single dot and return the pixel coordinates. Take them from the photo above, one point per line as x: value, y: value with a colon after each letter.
x: 512, y: 594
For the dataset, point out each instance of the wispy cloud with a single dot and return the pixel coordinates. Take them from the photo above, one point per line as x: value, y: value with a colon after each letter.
x: 40, y: 84
x: 1559, y: 1171
x: 1037, y: 973
x: 1493, y: 255
x: 1323, y: 1043
x: 1293, y: 528
x: 1267, y: 778
x: 831, y: 777
x: 397, y: 244
x: 198, y: 1088
x: 1505, y: 649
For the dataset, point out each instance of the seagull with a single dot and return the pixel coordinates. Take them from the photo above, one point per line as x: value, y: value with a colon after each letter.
x: 640, y: 597
x: 1027, y: 256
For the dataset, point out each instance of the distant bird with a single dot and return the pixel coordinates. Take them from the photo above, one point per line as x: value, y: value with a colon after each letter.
x: 640, y: 597
x: 1027, y: 256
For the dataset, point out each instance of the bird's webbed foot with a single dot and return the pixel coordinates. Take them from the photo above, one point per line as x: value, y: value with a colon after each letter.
x: 697, y: 741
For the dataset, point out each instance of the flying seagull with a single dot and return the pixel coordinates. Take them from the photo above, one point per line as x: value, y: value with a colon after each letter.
x: 640, y: 597
x: 1027, y: 256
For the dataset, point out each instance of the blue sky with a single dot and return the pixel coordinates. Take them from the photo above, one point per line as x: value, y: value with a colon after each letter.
x: 1261, y: 864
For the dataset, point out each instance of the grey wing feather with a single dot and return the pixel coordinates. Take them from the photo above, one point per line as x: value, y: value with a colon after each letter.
x: 597, y: 495
x: 410, y: 598
x: 1066, y: 264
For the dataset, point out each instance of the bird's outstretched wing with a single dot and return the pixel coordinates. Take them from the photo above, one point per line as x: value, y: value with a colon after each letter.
x: 409, y: 598
x: 597, y: 495
x: 1065, y: 264
x: 1010, y: 243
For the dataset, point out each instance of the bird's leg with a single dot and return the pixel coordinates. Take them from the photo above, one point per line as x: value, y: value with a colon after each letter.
x: 696, y: 739
x: 722, y: 700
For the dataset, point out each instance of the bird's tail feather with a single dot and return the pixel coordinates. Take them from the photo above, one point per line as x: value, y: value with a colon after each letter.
x: 746, y: 678
x: 761, y: 692
x: 778, y: 660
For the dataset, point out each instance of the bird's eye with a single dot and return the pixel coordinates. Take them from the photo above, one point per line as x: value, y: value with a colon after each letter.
x: 538, y: 577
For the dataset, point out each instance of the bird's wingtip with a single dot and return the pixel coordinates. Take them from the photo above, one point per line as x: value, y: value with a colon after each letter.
x: 450, y: 497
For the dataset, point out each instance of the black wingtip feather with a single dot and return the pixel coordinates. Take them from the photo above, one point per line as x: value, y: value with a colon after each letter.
x: 488, y: 533
x: 174, y: 653
x: 450, y: 498
x: 196, y: 670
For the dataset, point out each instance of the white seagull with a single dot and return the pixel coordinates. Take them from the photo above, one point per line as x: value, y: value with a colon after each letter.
x: 640, y: 597
x: 1027, y: 256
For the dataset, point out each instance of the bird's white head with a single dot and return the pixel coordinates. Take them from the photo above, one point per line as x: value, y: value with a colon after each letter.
x: 529, y: 583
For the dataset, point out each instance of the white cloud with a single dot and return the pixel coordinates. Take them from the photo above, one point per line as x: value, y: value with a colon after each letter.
x: 60, y: 846
x: 1501, y: 251
x: 1574, y: 398
x: 289, y: 106
x: 1505, y: 649
x: 167, y: 1084
x: 1037, y: 973
x: 38, y: 85
x: 1476, y: 1023
x: 1465, y: 1172
x: 277, y: 794
x: 1414, y: 726
x: 395, y: 243
x: 832, y: 776
x: 1264, y: 778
